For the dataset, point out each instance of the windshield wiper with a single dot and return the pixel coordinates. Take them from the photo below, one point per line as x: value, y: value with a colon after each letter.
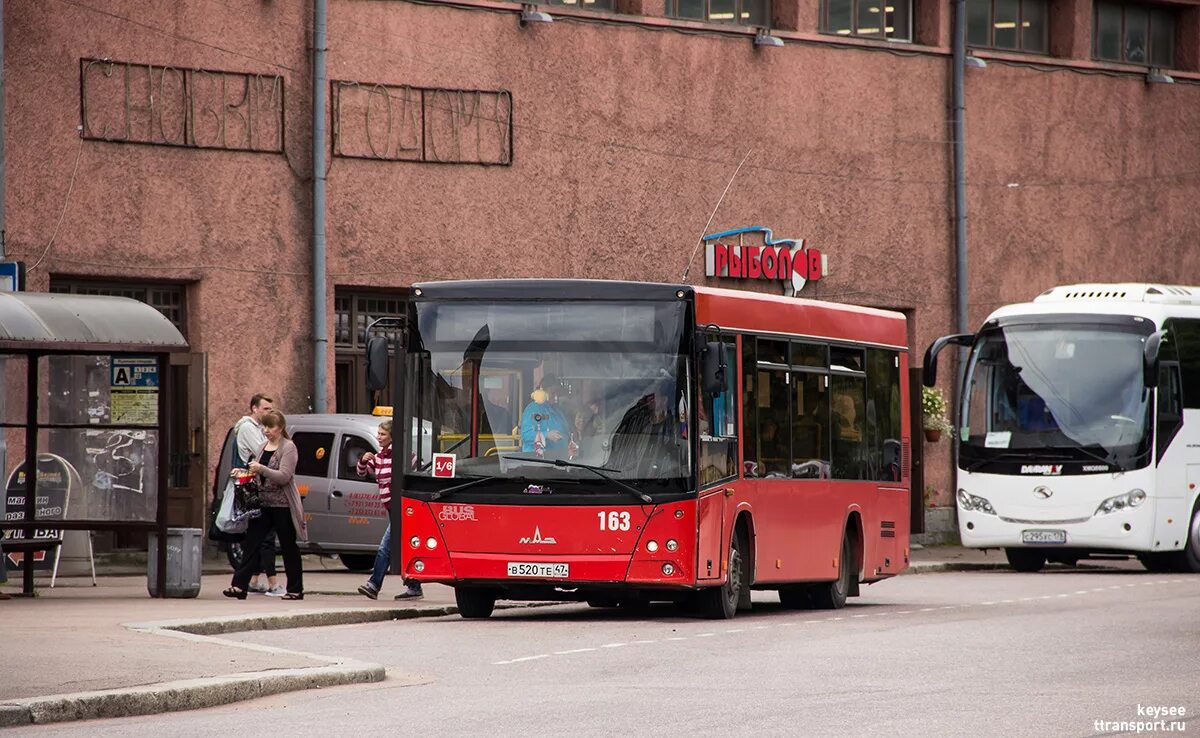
x: 465, y: 485
x: 427, y: 464
x: 597, y: 470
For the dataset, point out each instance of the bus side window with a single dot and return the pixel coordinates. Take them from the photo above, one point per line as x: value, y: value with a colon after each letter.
x: 1170, y: 407
x: 718, y: 425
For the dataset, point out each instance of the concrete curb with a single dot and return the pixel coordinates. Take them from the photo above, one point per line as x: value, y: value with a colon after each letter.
x: 187, y: 694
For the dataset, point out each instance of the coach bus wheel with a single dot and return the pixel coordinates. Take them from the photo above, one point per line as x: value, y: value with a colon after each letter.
x: 1188, y: 560
x: 1027, y: 560
x: 474, y: 604
x: 721, y: 603
x: 832, y: 595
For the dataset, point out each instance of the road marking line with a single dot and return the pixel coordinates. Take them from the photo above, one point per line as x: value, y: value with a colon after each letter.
x: 904, y: 612
x: 987, y: 603
x: 614, y: 645
x: 1081, y: 592
x: 1064, y: 595
x: 861, y: 616
x: 928, y: 609
x: 642, y: 643
x: 675, y: 638
x: 1026, y: 599
x: 948, y: 607
x: 761, y: 627
x: 523, y: 658
x: 704, y: 635
x: 736, y: 630
x: 809, y: 622
x: 838, y: 618
x: 573, y: 650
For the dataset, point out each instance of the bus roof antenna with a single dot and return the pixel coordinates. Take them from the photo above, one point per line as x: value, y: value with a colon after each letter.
x: 700, y: 240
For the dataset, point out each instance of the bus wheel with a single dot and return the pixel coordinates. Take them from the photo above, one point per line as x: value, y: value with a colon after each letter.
x: 832, y: 595
x: 1025, y: 559
x: 474, y: 604
x: 1188, y: 560
x: 721, y: 603
x: 603, y: 601
x: 795, y: 597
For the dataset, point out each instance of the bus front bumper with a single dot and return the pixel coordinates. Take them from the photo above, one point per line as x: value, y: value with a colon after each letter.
x: 1123, y: 530
x: 519, y: 570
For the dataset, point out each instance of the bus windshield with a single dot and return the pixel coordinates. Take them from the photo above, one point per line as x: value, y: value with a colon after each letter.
x: 1074, y: 388
x: 508, y: 386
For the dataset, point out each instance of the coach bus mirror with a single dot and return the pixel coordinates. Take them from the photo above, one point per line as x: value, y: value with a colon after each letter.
x: 929, y: 378
x: 713, y: 363
x: 1150, y: 358
x: 377, y: 363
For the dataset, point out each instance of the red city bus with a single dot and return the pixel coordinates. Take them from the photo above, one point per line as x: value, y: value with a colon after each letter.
x: 620, y: 443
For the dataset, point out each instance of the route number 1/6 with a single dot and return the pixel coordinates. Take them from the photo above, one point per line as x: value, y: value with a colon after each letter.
x: 613, y: 520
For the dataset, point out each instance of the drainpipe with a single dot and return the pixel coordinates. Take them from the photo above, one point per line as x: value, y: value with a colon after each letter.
x: 960, y: 155
x: 320, y: 86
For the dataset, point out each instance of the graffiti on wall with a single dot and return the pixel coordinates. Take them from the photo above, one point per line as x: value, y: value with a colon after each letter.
x: 422, y: 124
x: 173, y: 106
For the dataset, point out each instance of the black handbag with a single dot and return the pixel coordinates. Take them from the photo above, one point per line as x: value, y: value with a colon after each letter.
x: 248, y: 495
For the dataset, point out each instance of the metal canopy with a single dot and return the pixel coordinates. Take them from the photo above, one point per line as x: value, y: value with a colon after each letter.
x: 33, y: 321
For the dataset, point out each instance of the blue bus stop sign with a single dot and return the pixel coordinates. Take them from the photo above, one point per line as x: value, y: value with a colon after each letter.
x: 12, y: 276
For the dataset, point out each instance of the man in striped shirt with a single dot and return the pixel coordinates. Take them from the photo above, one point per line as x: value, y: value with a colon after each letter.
x: 380, y: 464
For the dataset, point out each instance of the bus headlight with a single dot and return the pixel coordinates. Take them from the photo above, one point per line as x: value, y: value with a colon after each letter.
x: 1133, y: 498
x: 431, y: 543
x: 651, y: 546
x: 971, y: 502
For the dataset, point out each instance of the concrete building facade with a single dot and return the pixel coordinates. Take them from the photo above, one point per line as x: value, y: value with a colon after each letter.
x: 162, y: 150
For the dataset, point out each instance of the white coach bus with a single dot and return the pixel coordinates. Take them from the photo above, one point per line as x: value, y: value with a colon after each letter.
x: 1078, y: 427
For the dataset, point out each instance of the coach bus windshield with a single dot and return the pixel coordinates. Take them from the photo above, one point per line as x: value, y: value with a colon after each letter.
x: 526, y: 392
x: 1047, y: 392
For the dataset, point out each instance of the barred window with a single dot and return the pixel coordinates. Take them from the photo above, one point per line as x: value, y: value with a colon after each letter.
x: 167, y: 299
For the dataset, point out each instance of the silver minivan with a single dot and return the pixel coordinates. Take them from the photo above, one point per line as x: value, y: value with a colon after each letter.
x: 344, y: 514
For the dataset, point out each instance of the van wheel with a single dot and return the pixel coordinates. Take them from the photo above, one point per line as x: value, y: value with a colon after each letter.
x: 358, y: 562
x: 832, y: 595
x: 721, y: 603
x: 233, y: 552
x: 474, y: 604
x: 1027, y: 560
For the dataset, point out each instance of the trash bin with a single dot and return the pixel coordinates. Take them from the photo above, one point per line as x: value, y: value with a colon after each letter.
x: 183, y: 563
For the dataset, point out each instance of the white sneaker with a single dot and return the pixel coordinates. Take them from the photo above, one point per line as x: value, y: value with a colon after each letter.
x: 276, y: 591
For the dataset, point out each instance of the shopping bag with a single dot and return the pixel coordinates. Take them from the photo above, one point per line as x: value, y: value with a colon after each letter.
x: 229, y: 518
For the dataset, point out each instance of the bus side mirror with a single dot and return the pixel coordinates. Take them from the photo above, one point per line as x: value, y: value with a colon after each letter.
x: 1150, y: 358
x: 712, y: 361
x: 377, y: 363
x: 929, y: 377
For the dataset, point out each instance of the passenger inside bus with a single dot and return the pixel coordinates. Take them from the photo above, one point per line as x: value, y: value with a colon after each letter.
x: 543, y: 426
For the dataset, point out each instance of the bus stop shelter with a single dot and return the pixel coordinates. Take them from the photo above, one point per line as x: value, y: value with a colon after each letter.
x: 84, y: 403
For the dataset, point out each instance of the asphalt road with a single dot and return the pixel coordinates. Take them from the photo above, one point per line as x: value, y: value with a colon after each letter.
x: 981, y: 654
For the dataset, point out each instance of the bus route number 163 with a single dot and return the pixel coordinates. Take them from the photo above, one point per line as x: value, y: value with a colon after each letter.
x: 613, y: 520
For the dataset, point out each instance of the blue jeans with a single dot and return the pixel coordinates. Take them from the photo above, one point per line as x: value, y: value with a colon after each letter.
x: 383, y: 560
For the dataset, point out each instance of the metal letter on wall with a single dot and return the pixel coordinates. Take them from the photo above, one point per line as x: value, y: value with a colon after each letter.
x: 422, y: 124
x: 169, y: 106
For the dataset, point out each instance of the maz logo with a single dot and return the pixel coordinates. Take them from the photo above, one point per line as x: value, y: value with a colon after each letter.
x: 537, y: 538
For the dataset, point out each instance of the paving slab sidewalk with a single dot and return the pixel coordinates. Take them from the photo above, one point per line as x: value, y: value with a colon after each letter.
x: 79, y: 651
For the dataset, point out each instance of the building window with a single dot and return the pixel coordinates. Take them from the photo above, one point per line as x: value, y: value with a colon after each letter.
x: 165, y: 298
x: 585, y: 4
x: 745, y: 12
x: 1137, y: 34
x: 890, y: 19
x: 1019, y: 25
x: 353, y: 311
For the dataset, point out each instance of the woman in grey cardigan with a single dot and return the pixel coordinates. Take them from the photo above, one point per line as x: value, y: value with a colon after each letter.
x: 282, y: 509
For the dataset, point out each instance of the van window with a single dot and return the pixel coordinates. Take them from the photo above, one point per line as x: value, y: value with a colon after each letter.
x: 313, y: 450
x: 353, y: 447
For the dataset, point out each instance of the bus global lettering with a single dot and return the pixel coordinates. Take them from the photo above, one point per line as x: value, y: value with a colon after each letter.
x: 784, y: 259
